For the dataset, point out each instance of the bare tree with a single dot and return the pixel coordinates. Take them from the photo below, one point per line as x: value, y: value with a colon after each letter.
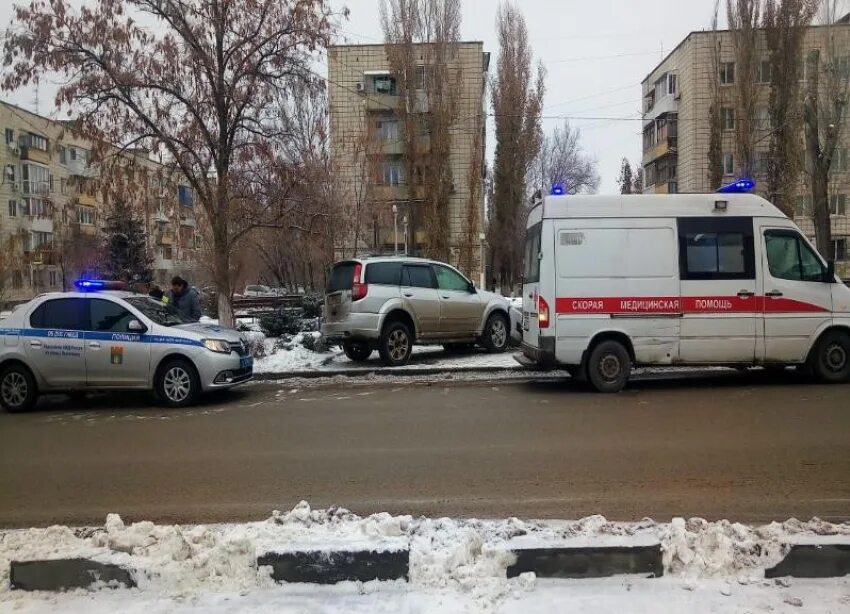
x: 625, y: 178
x: 517, y: 96
x: 824, y: 113
x: 199, y: 87
x: 10, y: 264
x: 785, y: 23
x: 715, y: 149
x: 561, y: 160
x: 475, y: 180
x: 421, y: 43
x: 744, y: 16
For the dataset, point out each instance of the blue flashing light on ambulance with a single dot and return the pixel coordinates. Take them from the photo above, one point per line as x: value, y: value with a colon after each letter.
x: 613, y: 282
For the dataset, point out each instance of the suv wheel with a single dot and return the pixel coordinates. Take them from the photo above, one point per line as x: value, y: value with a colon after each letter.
x: 496, y: 333
x: 177, y: 384
x: 831, y: 360
x: 357, y: 352
x: 396, y: 344
x: 609, y: 366
x: 17, y: 389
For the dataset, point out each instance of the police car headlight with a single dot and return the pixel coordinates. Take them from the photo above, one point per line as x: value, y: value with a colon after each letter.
x: 217, y: 345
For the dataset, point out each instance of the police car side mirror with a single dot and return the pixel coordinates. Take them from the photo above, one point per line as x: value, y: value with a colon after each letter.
x: 134, y: 326
x: 471, y: 288
x: 829, y: 276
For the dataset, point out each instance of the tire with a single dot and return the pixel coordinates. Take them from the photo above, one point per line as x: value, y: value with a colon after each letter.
x: 356, y: 352
x: 831, y: 359
x: 609, y: 367
x: 177, y: 384
x: 18, y: 390
x: 396, y: 344
x: 497, y: 334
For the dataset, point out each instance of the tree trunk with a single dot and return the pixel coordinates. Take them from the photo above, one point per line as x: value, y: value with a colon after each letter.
x: 820, y: 210
x: 221, y: 274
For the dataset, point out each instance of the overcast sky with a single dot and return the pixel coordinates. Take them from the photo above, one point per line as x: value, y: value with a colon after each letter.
x: 596, y: 53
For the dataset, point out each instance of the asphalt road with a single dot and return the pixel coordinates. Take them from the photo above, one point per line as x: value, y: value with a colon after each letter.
x: 747, y: 448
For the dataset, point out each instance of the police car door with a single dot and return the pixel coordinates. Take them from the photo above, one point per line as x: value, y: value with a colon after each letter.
x: 114, y: 355
x: 55, y: 341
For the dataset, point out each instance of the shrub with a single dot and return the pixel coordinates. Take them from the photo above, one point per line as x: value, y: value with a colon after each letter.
x: 311, y: 306
x: 314, y: 343
x: 280, y: 323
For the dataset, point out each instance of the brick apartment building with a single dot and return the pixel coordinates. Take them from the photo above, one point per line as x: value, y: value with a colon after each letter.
x: 367, y: 147
x: 49, y: 190
x: 677, y: 95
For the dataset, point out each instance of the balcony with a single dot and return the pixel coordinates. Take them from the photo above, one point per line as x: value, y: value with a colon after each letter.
x: 80, y: 168
x: 86, y: 199
x: 39, y: 257
x: 390, y: 193
x: 382, y: 102
x: 667, y: 104
x: 39, y: 223
x: 35, y: 155
x: 662, y: 148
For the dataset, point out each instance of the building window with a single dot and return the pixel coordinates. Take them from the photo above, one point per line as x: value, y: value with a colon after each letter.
x: 760, y: 162
x: 838, y: 204
x: 728, y: 164
x: 39, y: 240
x: 393, y: 174
x: 383, y: 84
x: 763, y: 118
x: 10, y: 174
x: 184, y: 196
x: 672, y: 84
x: 389, y: 130
x: 63, y: 185
x: 839, y: 249
x: 166, y: 252
x: 13, y: 208
x: 10, y: 136
x: 36, y: 207
x: 36, y: 179
x: 841, y: 160
x: 764, y: 72
x: 85, y: 216
x: 727, y: 73
x: 35, y: 141
x: 804, y: 205
x: 727, y: 118
x: 53, y: 275
x: 63, y: 155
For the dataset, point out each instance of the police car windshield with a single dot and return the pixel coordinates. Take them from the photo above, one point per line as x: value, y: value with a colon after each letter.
x: 158, y: 312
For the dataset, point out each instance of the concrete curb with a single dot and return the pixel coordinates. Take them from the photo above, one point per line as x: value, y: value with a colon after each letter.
x: 65, y: 574
x: 813, y: 561
x: 380, y: 372
x: 588, y: 562
x: 322, y: 567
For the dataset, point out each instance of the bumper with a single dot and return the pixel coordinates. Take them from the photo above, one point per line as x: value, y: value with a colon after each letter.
x: 220, y: 371
x: 356, y: 326
x: 542, y: 356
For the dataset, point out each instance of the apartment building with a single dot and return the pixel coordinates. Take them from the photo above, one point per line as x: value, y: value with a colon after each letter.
x: 54, y: 204
x: 677, y: 95
x: 367, y: 147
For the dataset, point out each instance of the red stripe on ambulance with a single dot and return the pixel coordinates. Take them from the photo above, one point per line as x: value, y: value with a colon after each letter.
x: 676, y: 305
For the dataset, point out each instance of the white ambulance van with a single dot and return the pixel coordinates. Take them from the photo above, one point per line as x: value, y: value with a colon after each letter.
x: 613, y: 282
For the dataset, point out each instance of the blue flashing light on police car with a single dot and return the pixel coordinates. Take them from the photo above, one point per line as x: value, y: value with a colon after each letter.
x: 558, y: 189
x: 742, y: 186
x: 93, y: 285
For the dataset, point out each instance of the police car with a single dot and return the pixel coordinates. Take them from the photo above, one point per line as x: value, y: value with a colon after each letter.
x: 100, y: 338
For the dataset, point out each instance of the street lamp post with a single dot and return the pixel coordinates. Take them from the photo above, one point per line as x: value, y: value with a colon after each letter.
x: 395, y: 230
x: 404, y: 223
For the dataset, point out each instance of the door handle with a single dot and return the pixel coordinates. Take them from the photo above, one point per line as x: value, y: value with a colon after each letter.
x: 745, y: 294
x: 408, y: 294
x: 773, y: 294
x: 94, y: 345
x: 444, y: 296
x: 35, y: 343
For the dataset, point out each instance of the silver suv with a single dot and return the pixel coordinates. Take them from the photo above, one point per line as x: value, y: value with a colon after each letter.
x: 392, y: 303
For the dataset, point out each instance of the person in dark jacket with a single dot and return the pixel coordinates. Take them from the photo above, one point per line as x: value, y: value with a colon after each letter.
x: 184, y: 299
x: 156, y: 292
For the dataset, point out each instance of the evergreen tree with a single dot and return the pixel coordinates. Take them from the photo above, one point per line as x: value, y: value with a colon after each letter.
x: 637, y: 182
x: 625, y: 179
x: 127, y: 256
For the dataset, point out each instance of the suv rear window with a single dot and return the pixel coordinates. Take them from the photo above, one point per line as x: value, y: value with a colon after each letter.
x: 386, y: 273
x: 341, y: 277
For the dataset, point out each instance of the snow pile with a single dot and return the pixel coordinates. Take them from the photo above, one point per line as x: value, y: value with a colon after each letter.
x: 469, y: 558
x: 288, y: 355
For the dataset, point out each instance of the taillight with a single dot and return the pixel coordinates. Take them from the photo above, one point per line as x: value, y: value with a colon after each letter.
x: 358, y: 290
x: 542, y: 312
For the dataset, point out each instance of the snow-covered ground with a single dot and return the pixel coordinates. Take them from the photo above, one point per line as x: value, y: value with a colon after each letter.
x: 455, y: 566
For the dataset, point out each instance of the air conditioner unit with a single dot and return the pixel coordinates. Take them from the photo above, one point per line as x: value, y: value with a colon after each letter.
x: 360, y: 87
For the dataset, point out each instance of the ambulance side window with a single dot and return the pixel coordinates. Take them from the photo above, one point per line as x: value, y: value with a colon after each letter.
x: 531, y: 254
x: 790, y: 257
x: 109, y: 317
x: 716, y: 248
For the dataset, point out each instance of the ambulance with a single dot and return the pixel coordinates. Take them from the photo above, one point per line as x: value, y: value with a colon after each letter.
x: 614, y: 282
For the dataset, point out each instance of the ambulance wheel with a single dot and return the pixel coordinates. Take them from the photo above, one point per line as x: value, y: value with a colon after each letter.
x: 177, y: 383
x: 831, y: 359
x: 609, y: 366
x: 18, y: 391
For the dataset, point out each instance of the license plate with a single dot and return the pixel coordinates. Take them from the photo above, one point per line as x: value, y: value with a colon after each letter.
x: 334, y: 300
x: 246, y: 362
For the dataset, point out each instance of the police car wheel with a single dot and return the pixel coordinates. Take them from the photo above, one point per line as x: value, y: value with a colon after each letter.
x: 177, y: 384
x: 831, y: 362
x: 18, y: 390
x: 609, y: 366
x: 497, y: 333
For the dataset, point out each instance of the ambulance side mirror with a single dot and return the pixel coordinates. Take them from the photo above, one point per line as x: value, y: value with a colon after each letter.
x: 134, y: 326
x: 829, y: 276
